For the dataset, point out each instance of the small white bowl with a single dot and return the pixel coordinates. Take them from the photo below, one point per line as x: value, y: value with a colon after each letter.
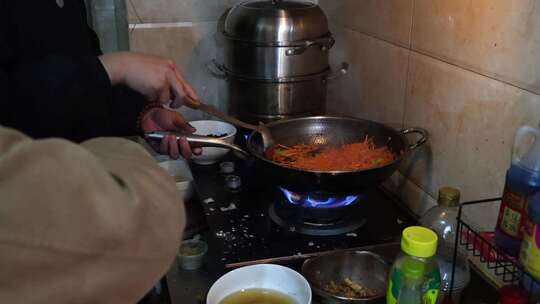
x: 179, y: 169
x: 266, y: 276
x: 211, y: 155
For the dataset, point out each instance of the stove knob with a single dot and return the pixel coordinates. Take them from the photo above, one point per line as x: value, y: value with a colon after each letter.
x: 226, y: 167
x: 233, y: 182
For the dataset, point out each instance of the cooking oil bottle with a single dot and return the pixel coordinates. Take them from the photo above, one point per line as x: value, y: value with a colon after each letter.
x: 443, y: 218
x: 522, y: 181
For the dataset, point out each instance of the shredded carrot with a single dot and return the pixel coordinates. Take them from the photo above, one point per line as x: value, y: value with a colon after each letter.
x: 349, y: 157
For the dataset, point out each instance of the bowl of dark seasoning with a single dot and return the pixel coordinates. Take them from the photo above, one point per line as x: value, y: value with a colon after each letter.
x: 214, y: 129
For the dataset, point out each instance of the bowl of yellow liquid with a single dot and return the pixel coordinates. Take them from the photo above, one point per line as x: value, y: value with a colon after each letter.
x: 260, y: 284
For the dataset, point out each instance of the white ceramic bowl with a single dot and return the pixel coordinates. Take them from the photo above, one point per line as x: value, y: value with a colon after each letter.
x: 211, y: 155
x: 267, y: 276
x: 179, y: 169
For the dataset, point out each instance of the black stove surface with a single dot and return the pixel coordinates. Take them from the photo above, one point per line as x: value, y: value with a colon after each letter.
x: 242, y: 230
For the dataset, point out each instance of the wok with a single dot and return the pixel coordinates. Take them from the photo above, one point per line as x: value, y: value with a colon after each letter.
x: 324, y: 131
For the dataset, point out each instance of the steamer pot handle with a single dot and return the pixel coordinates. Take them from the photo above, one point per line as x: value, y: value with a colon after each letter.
x: 424, y: 136
x: 325, y: 43
x: 344, y: 69
x: 216, y: 70
x: 200, y: 140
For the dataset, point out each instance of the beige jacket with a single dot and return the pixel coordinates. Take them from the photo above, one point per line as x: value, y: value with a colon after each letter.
x: 98, y: 222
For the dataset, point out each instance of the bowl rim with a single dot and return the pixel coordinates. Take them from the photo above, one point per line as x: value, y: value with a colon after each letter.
x: 277, y: 267
x: 235, y: 130
x: 321, y: 292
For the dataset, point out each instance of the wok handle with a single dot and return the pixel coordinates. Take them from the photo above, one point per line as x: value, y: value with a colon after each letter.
x: 203, y: 141
x: 424, y: 136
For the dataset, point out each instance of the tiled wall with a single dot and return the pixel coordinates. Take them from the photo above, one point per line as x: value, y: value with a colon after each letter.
x: 184, y: 30
x: 467, y: 71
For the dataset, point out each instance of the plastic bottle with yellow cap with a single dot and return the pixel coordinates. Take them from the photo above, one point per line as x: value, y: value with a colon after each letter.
x: 414, y: 277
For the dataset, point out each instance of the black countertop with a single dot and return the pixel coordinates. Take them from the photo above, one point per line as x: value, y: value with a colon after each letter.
x: 192, y: 286
x: 258, y: 240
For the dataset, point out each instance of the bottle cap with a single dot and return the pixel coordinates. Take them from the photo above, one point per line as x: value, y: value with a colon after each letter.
x: 419, y: 241
x: 233, y: 182
x: 449, y: 197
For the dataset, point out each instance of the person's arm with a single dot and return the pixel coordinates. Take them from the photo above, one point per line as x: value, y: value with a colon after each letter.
x: 124, y: 119
x: 60, y: 95
x: 157, y: 78
x: 51, y: 96
x: 93, y: 223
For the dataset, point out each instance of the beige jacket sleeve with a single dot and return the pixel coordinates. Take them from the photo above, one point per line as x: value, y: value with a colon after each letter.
x: 93, y: 223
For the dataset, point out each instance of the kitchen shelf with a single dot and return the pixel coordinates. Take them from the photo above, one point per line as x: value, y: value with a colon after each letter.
x: 481, y: 245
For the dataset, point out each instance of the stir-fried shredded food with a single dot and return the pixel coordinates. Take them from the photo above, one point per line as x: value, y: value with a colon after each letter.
x: 350, y: 289
x: 349, y: 157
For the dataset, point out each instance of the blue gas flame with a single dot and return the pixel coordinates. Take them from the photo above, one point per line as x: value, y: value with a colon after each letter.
x: 316, y: 202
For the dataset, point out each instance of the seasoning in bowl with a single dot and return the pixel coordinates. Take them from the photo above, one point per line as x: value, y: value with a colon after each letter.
x: 258, y: 296
x: 191, y: 254
x: 350, y: 289
x: 189, y: 249
x: 217, y: 135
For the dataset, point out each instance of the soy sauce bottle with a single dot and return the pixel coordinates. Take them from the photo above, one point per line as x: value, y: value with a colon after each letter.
x: 522, y: 182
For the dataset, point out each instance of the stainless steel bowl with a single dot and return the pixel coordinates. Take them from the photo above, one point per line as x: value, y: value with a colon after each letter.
x: 363, y: 267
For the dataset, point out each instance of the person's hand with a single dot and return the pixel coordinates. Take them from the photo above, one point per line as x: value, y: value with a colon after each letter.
x: 160, y: 119
x: 157, y: 78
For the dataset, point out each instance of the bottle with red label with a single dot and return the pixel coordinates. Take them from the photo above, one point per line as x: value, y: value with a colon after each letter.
x: 513, y: 295
x: 522, y: 181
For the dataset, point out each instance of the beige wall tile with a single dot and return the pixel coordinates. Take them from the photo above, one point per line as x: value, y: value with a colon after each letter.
x: 388, y: 19
x: 472, y: 120
x: 497, y: 38
x: 182, y: 10
x: 192, y: 47
x: 414, y: 198
x: 132, y: 14
x: 374, y: 88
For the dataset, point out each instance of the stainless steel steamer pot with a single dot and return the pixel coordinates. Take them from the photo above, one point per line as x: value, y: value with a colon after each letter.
x: 276, y: 60
x: 275, y: 39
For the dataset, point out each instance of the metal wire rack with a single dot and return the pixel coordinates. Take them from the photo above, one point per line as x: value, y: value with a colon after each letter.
x: 480, y: 245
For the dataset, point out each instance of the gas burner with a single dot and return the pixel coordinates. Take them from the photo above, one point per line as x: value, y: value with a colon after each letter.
x: 296, y: 223
x: 319, y: 199
x: 317, y: 213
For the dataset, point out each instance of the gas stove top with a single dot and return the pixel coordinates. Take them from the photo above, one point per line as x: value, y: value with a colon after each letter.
x: 252, y: 220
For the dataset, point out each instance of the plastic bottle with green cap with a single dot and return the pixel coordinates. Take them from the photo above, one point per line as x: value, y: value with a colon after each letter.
x: 414, y: 277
